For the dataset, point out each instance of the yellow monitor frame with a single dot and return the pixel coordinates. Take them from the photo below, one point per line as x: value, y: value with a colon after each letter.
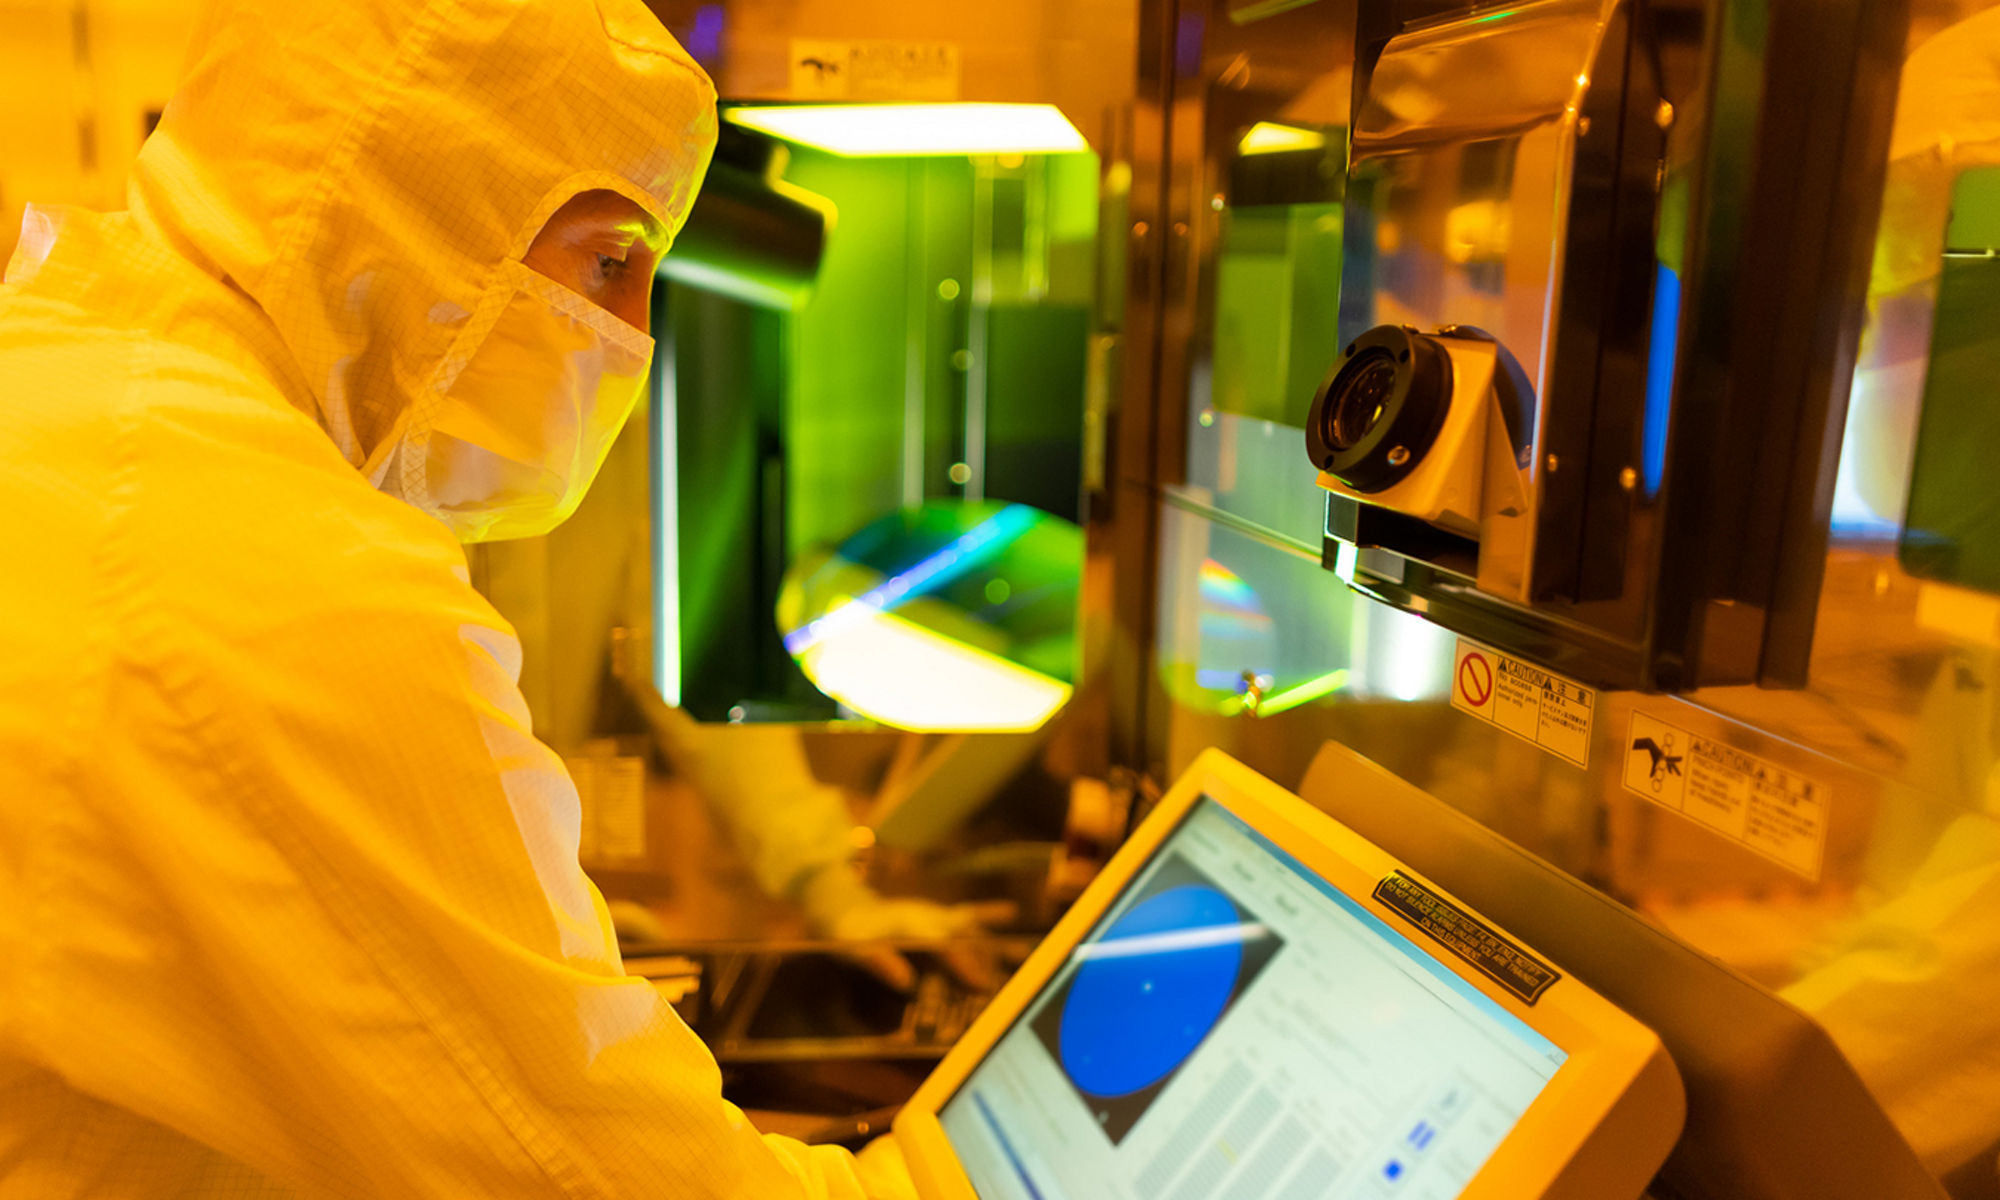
x: 1599, y: 1129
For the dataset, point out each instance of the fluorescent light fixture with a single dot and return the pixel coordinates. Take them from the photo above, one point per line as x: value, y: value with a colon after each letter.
x: 667, y: 530
x: 896, y: 130
x: 902, y: 674
x: 1268, y: 138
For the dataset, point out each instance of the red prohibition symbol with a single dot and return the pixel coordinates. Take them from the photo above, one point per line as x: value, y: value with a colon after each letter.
x: 1475, y: 680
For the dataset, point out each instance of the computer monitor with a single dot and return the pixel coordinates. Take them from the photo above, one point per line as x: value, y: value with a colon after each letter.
x: 1253, y: 1002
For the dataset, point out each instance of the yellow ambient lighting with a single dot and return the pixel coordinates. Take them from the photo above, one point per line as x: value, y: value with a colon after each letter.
x: 902, y: 674
x: 1267, y: 138
x: 894, y: 130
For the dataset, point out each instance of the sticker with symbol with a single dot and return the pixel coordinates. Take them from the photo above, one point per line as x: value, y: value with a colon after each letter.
x: 1533, y: 704
x: 1475, y: 679
x: 1764, y: 806
x: 1664, y: 761
x: 849, y: 69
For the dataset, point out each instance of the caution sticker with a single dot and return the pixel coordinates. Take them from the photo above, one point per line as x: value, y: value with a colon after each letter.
x: 1752, y: 801
x: 1470, y: 938
x: 1534, y: 705
x: 874, y: 70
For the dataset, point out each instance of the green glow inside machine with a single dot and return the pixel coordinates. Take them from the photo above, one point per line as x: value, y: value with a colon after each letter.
x: 887, y: 330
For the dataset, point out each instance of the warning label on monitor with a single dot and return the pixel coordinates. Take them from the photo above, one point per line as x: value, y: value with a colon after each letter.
x: 1468, y: 937
x: 1770, y: 809
x: 1532, y: 704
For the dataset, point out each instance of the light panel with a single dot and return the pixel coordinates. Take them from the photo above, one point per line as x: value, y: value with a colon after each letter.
x: 897, y: 130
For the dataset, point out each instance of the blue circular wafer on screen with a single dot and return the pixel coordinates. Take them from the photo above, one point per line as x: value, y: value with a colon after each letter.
x: 1134, y: 1014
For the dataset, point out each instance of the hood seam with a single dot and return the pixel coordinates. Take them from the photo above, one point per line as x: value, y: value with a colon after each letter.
x: 287, y: 254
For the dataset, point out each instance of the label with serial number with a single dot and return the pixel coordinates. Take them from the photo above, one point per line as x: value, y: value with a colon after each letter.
x: 1470, y: 938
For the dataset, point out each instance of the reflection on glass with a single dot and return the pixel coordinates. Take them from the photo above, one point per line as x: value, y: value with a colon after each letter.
x: 1239, y: 649
x: 1952, y: 529
x: 946, y: 616
x: 1244, y: 626
x: 1277, y: 296
x: 1291, y: 697
x: 1403, y: 656
x: 1930, y: 238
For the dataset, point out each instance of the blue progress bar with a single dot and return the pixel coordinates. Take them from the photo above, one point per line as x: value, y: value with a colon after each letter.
x: 1006, y: 1147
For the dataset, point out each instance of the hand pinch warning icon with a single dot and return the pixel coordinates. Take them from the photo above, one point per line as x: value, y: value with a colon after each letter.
x: 1664, y: 762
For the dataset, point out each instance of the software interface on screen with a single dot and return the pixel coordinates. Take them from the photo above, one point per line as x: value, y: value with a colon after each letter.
x: 1237, y: 1027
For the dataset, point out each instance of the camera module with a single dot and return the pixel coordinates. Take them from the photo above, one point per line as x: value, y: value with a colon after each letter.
x: 1380, y: 410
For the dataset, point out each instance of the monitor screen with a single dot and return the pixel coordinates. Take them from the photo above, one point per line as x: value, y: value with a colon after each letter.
x: 1235, y: 1026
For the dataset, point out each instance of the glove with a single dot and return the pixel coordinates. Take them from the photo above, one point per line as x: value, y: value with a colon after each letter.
x: 838, y: 905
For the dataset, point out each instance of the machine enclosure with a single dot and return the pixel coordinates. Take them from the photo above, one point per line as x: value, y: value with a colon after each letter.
x: 1644, y: 264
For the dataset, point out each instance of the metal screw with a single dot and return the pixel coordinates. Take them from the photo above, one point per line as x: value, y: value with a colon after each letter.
x: 1552, y: 462
x: 1140, y: 229
x: 1663, y: 116
x: 1583, y: 126
x: 1628, y: 479
x: 1399, y: 455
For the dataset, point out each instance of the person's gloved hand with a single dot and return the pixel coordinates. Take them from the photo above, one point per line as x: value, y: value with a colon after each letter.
x: 838, y: 905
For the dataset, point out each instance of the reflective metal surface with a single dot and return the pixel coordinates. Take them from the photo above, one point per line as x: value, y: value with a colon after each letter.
x: 1459, y: 174
x: 1468, y: 186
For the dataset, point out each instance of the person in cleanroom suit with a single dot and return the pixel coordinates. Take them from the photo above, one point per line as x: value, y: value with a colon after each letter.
x: 289, y: 898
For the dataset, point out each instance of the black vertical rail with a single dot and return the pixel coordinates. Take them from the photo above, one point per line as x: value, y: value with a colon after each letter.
x: 1133, y: 433
x: 1854, y: 125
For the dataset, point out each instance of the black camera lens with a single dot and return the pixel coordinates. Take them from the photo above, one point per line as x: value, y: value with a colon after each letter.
x: 1381, y: 407
x: 1361, y: 401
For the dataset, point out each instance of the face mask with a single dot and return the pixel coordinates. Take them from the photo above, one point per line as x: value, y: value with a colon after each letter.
x: 510, y: 448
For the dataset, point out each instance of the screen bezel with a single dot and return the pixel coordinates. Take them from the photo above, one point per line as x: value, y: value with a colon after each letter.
x: 1607, y: 1049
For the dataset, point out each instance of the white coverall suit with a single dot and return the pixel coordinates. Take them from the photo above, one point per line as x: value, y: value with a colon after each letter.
x: 289, y: 898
